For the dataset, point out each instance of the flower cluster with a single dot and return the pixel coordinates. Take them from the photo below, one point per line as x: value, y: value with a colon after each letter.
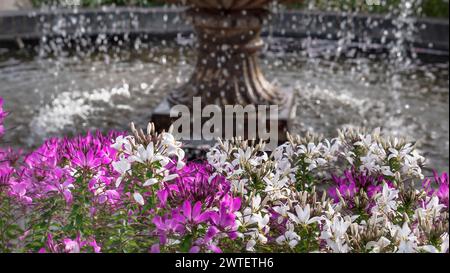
x: 59, y: 165
x: 441, y: 183
x: 359, y: 192
x: 143, y: 161
x: 68, y: 245
x: 354, y: 193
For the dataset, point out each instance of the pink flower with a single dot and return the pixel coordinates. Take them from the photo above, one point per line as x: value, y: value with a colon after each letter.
x: 225, y: 219
x: 155, y: 249
x: 352, y: 182
x: 195, y: 182
x: 19, y: 190
x: 191, y: 215
x: 442, y: 184
x: 71, y: 246
x: 95, y: 246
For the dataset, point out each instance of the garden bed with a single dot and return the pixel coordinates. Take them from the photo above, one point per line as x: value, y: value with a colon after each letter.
x: 358, y: 192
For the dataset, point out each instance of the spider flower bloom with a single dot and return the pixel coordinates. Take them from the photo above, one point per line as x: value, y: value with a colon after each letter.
x: 439, y: 187
x: 52, y: 168
x: 195, y: 183
x: 225, y: 218
x: 5, y: 175
x: 191, y: 215
x: 352, y: 182
x: 68, y: 245
x: 89, y: 152
x: 8, y: 159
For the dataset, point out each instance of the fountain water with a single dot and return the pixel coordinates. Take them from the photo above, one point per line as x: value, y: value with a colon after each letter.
x: 77, y: 83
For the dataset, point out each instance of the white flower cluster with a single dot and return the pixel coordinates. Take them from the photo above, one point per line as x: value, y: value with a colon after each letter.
x: 397, y: 233
x: 377, y: 154
x: 147, y: 155
x: 280, y: 199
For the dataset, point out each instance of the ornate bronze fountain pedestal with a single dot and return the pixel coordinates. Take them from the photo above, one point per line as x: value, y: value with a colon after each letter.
x: 227, y: 70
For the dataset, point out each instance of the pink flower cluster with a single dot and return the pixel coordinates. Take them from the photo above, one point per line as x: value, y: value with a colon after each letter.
x: 189, y: 204
x: 438, y: 186
x: 68, y: 245
x: 53, y: 169
x: 354, y: 182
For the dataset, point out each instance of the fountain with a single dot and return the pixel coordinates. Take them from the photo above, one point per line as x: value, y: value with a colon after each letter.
x: 227, y: 70
x: 64, y: 72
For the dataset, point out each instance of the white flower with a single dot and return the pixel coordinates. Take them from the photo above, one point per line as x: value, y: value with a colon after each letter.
x: 173, y: 148
x: 303, y: 216
x: 278, y: 153
x: 250, y: 245
x: 408, y: 241
x: 262, y: 221
x: 124, y: 144
x: 118, y: 143
x: 275, y: 185
x: 431, y: 211
x: 255, y: 237
x: 313, y: 155
x: 143, y: 155
x: 282, y: 210
x: 256, y: 203
x: 444, y: 244
x: 411, y: 164
x: 370, y: 163
x: 168, y: 141
x: 386, y: 200
x: 331, y: 149
x: 148, y: 155
x: 429, y: 249
x: 219, y: 161
x: 433, y: 249
x: 122, y: 166
x: 242, y: 156
x: 289, y: 237
x: 244, y: 219
x: 150, y: 182
x: 365, y: 141
x: 138, y: 198
x: 239, y: 185
x: 378, y: 246
x: 330, y: 212
x: 386, y: 170
x: 400, y: 154
x: 334, y: 232
x: 180, y: 154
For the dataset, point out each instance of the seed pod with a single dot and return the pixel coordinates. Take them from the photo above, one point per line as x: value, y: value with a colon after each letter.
x: 151, y: 128
x: 406, y: 217
x: 324, y: 196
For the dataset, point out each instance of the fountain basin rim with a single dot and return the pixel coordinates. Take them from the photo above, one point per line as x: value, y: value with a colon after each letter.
x: 24, y: 25
x: 69, y: 11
